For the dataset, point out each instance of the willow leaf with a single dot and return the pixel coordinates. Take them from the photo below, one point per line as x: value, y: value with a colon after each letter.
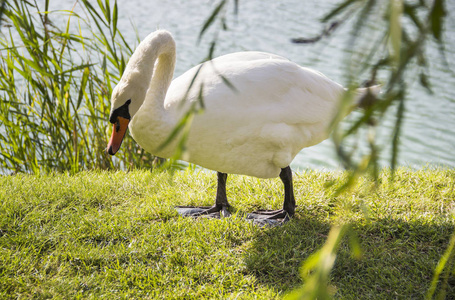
x: 437, y: 18
x: 211, y: 19
x: 337, y: 10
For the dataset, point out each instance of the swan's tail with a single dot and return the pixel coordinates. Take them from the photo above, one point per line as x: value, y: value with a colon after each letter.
x: 365, y: 97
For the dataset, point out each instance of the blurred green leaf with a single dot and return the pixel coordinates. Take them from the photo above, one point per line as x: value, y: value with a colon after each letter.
x: 316, y: 269
x: 396, y: 11
x: 211, y: 18
x: 396, y: 133
x: 446, y: 260
x: 437, y: 15
x: 338, y: 10
x: 425, y: 82
x: 114, y: 19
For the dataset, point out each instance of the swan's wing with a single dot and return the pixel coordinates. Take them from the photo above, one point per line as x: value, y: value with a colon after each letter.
x: 258, y: 84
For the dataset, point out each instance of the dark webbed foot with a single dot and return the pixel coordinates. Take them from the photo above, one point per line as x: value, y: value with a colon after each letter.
x: 220, y: 209
x: 207, y: 211
x: 269, y: 217
x: 268, y: 214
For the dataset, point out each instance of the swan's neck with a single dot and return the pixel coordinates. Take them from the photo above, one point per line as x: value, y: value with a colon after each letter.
x: 148, y: 76
x: 150, y: 70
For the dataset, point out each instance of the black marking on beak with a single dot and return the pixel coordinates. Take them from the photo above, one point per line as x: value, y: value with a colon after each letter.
x: 121, y: 111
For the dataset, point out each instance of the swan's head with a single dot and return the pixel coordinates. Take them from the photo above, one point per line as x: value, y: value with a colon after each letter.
x: 120, y: 117
x: 123, y: 107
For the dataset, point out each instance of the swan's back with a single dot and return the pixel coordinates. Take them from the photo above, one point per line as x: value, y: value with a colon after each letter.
x: 260, y: 81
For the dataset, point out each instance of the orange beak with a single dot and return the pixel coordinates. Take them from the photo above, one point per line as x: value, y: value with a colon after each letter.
x: 118, y: 133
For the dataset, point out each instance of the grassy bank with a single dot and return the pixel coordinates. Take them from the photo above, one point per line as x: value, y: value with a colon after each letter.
x: 115, y: 234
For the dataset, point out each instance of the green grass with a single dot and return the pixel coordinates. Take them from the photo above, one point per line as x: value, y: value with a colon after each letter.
x: 115, y: 235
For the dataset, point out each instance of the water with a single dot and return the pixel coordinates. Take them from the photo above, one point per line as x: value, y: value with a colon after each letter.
x: 428, y: 136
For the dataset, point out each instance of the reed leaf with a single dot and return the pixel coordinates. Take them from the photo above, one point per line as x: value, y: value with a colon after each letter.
x: 55, y: 88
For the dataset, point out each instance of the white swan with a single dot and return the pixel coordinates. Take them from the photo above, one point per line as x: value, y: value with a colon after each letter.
x: 275, y: 109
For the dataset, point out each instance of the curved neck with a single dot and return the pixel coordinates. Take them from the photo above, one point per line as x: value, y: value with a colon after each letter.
x: 150, y: 70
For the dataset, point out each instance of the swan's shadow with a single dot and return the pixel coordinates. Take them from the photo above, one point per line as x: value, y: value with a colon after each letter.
x: 276, y: 253
x: 399, y: 258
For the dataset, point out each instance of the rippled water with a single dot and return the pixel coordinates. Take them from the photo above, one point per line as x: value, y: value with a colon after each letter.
x: 428, y: 136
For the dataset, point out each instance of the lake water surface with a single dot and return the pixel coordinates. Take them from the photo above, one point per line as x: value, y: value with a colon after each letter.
x: 428, y: 135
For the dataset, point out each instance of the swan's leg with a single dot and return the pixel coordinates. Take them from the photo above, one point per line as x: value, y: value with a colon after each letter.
x: 288, y: 210
x: 219, y: 209
x: 289, y: 200
x: 221, y: 202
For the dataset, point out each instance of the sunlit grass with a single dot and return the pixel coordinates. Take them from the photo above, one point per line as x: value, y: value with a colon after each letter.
x: 116, y: 234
